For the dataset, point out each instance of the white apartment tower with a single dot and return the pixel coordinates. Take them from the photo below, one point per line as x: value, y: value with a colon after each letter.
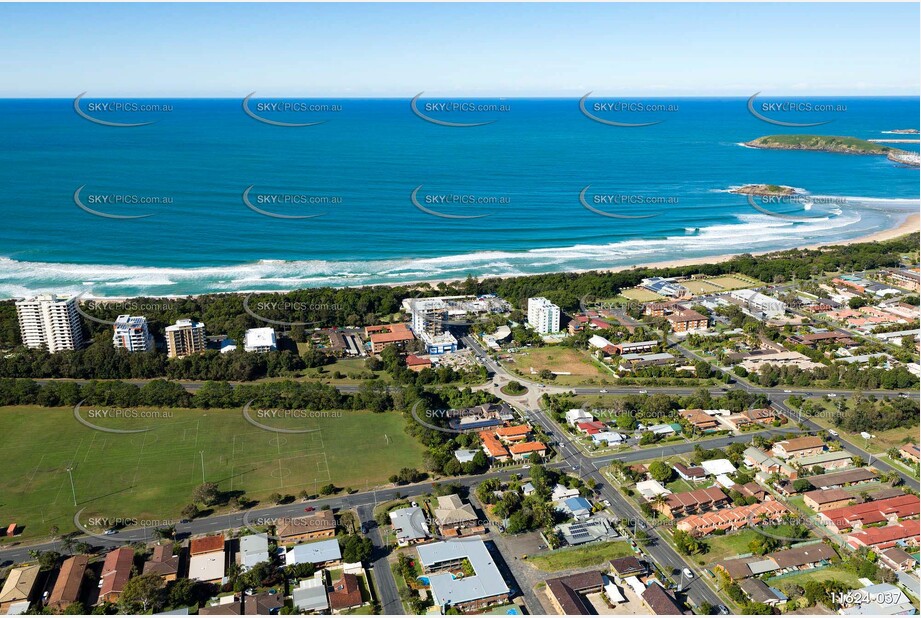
x: 131, y: 333
x: 50, y: 322
x: 185, y: 337
x: 543, y: 316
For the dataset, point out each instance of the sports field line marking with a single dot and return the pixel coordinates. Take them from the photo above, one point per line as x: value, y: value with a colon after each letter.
x: 138, y: 467
x: 35, y: 471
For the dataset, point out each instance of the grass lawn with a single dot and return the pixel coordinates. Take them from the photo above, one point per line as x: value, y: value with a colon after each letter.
x: 151, y: 474
x: 641, y: 295
x: 557, y: 358
x: 735, y: 543
x: 826, y: 574
x: 882, y: 440
x: 581, y: 557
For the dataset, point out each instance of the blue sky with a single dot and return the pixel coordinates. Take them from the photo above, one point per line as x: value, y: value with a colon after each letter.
x: 398, y: 50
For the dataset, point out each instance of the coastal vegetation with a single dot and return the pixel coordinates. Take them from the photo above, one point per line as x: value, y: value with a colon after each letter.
x: 823, y: 143
x: 761, y: 189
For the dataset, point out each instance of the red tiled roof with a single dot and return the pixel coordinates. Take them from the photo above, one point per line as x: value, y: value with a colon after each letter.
x: 527, y: 447
x: 873, y: 512
x: 345, y: 593
x: 116, y: 570
x: 887, y: 536
x: 206, y: 544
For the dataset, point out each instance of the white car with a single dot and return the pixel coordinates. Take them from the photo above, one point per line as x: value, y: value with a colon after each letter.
x: 604, y: 390
x: 788, y: 391
x: 688, y: 573
x: 644, y: 392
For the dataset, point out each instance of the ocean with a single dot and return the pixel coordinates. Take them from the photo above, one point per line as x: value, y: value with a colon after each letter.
x: 387, y: 196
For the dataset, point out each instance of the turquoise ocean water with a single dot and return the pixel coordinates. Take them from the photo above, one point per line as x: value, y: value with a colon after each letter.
x: 521, y: 177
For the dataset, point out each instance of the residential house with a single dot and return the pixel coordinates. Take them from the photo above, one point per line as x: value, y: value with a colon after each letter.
x: 696, y: 501
x: 163, y: 563
x: 409, y: 525
x: 830, y: 460
x: 660, y: 601
x: 310, y: 594
x: 699, y: 420
x: 18, y: 587
x: 733, y: 518
x: 567, y: 594
x: 576, y: 416
x: 321, y: 554
x: 578, y: 507
x: 843, y: 478
x: 905, y: 533
x: 759, y: 592
x: 417, y: 363
x: 318, y: 525
x: 695, y: 474
x: 878, y: 600
x: 69, y: 583
x: 898, y: 559
x: 715, y: 467
x: 628, y: 566
x: 859, y: 516
x: 758, y: 459
x: 263, y: 603
x: 821, y: 500
x: 206, y: 544
x: 116, y: 571
x: 254, y: 548
x: 208, y: 566
x: 798, y: 447
x: 911, y: 452
x: 523, y: 450
x: 454, y: 518
x: 345, y: 593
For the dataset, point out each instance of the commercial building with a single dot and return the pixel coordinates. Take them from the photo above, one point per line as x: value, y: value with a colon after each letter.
x: 184, y: 338
x: 907, y: 279
x: 50, y: 322
x: 260, y: 340
x: 130, y: 333
x: 383, y: 335
x: 759, y: 304
x: 543, y: 316
x: 485, y: 587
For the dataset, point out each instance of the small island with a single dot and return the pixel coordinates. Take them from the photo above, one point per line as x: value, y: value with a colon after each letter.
x: 833, y: 143
x: 765, y: 190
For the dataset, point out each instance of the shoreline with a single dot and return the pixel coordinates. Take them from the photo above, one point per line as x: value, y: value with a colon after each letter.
x: 910, y: 224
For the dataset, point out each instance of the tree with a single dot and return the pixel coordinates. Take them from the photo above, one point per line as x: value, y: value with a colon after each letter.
x: 328, y: 490
x: 356, y: 548
x: 191, y: 511
x: 207, y: 494
x: 660, y: 471
x: 276, y: 498
x: 142, y: 593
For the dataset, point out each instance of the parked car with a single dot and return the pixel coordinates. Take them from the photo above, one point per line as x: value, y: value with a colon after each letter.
x: 688, y: 573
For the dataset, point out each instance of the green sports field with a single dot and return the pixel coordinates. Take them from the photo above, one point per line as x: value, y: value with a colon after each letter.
x: 151, y: 474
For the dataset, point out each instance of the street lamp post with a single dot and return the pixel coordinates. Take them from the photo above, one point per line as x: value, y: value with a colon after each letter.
x: 73, y: 489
